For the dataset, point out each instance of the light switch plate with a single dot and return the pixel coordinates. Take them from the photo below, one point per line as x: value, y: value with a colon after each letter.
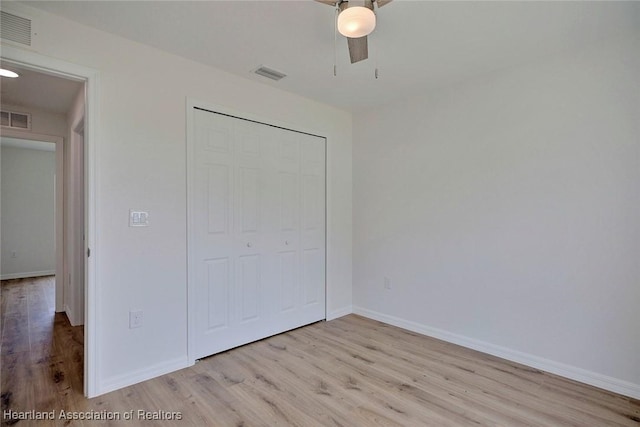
x: 138, y: 218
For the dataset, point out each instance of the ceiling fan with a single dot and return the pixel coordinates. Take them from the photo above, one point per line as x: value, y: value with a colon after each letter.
x: 356, y: 20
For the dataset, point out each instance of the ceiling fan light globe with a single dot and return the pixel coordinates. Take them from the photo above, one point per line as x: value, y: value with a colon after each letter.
x: 356, y: 21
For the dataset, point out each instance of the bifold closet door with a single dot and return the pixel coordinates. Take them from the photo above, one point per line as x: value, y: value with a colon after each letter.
x: 258, y: 231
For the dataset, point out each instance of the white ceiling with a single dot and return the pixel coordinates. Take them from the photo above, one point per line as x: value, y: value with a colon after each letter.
x: 418, y: 45
x: 34, y: 89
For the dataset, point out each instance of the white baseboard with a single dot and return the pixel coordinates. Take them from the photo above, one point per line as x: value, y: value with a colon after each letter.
x: 67, y: 312
x: 339, y: 313
x: 27, y: 275
x: 141, y: 375
x: 578, y: 374
x: 72, y: 317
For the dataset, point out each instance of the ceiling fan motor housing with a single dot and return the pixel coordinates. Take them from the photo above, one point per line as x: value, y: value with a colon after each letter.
x: 344, y: 4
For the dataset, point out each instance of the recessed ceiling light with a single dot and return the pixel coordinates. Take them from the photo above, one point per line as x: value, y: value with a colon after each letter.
x: 8, y: 73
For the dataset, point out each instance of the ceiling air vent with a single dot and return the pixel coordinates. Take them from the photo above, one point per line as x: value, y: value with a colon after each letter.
x: 15, y: 120
x: 15, y: 28
x: 269, y: 73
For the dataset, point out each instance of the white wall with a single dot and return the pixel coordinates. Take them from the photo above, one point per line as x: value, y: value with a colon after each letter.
x: 506, y: 212
x: 141, y: 158
x: 28, y: 207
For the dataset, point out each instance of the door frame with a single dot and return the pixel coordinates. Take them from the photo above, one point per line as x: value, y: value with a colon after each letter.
x: 192, y: 103
x: 49, y: 65
x: 75, y: 306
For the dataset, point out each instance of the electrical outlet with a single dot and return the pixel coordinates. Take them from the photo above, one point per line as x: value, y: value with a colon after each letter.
x: 387, y: 283
x: 135, y: 319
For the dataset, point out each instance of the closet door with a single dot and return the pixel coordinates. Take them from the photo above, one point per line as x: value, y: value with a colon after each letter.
x: 258, y: 233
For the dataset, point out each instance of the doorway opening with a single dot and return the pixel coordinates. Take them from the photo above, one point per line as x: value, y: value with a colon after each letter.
x: 57, y: 110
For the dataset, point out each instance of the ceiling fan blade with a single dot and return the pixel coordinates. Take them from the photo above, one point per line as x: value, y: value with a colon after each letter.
x: 381, y: 2
x: 358, y: 49
x: 328, y: 2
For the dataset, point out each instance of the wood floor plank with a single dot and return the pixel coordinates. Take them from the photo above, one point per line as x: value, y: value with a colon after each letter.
x: 447, y: 399
x: 455, y: 382
x: 351, y: 371
x: 291, y: 383
x: 348, y: 384
x: 213, y: 403
x: 490, y: 367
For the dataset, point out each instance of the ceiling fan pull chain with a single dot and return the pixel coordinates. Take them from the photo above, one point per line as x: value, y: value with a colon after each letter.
x: 335, y: 40
x: 376, y: 54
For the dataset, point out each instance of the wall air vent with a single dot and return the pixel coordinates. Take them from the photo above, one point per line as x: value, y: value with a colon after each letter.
x: 15, y: 120
x: 15, y: 28
x: 270, y: 73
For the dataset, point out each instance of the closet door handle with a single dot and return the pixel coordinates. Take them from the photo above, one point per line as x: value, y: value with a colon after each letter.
x: 249, y: 244
x: 286, y: 242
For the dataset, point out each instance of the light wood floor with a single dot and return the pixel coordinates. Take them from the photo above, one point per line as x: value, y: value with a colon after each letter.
x: 348, y: 372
